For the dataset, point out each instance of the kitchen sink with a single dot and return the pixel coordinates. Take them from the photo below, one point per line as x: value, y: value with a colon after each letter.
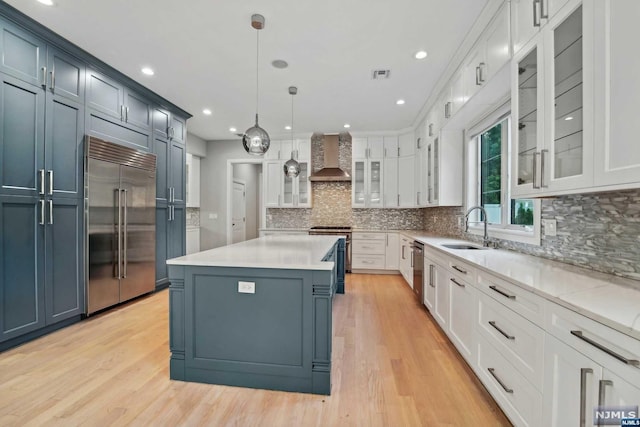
x: 462, y: 246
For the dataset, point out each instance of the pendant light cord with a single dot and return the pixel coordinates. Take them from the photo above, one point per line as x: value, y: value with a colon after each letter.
x: 257, y: 70
x: 292, y: 119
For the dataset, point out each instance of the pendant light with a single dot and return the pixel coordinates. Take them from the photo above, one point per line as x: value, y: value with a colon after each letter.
x: 256, y: 140
x: 292, y: 167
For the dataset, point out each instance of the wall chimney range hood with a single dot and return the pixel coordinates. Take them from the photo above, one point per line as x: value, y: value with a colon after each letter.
x: 331, y: 170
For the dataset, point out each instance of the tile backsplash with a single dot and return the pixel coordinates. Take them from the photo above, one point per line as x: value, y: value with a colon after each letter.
x: 193, y: 217
x: 597, y: 231
x: 332, y: 206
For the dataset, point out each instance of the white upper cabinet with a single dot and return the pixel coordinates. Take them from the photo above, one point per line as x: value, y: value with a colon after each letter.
x: 421, y: 165
x: 617, y: 156
x: 367, y: 148
x: 406, y: 168
x: 406, y: 145
x: 280, y: 191
x: 367, y: 183
x: 390, y: 147
x: 529, y: 17
x: 552, y: 105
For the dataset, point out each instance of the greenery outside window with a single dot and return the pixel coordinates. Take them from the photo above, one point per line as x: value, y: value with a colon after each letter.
x: 488, y: 186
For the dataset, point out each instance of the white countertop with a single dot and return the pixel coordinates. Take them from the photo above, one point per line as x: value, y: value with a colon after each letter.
x: 293, y: 252
x: 608, y: 299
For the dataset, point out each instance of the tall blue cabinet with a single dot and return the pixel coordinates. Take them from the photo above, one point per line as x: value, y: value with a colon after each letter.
x: 52, y: 95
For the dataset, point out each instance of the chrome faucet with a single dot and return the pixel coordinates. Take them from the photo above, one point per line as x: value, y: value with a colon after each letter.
x: 485, y: 239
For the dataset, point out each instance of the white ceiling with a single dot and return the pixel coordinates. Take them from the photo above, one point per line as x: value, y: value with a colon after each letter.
x: 203, y: 52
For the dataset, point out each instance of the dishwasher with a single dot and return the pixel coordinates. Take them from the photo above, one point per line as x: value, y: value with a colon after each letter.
x: 417, y: 261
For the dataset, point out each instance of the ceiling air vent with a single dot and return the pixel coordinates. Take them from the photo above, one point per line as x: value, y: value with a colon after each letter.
x: 380, y: 74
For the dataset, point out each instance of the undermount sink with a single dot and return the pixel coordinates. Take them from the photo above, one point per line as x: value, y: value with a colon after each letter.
x: 462, y: 246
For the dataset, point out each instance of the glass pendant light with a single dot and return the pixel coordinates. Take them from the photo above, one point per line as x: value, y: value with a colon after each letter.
x: 256, y: 140
x: 291, y: 166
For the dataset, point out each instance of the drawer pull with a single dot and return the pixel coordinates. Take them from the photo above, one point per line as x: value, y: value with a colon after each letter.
x: 504, y: 387
x: 501, y: 292
x: 457, y: 283
x: 497, y: 328
x: 461, y: 270
x: 610, y: 352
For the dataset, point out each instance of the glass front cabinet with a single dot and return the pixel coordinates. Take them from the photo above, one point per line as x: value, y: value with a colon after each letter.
x: 367, y: 183
x: 552, y: 99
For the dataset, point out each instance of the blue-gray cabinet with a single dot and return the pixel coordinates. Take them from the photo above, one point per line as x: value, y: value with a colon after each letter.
x: 24, y: 55
x: 169, y: 136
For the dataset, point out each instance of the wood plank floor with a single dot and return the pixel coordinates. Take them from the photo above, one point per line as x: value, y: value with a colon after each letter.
x: 392, y: 366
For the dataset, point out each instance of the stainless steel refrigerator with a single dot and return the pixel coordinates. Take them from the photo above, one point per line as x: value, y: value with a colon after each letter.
x: 120, y: 201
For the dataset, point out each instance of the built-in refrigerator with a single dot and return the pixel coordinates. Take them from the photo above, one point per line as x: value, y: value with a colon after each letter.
x: 120, y: 201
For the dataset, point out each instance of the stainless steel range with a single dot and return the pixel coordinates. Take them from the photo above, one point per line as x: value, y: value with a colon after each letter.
x: 337, y: 231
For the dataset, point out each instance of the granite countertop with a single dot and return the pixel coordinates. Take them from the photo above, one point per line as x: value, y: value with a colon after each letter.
x: 611, y: 300
x: 292, y: 252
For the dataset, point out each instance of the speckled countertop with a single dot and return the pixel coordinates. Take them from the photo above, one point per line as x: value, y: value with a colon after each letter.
x: 608, y: 299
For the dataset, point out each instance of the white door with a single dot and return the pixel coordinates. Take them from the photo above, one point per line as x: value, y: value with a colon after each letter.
x: 238, y: 212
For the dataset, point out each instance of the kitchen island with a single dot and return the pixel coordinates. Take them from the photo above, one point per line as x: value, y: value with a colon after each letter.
x: 257, y: 313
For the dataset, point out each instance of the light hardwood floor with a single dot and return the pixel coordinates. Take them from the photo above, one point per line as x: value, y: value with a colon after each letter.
x: 392, y: 366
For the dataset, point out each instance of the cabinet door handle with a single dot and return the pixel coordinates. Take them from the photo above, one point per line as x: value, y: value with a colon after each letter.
x: 601, y: 347
x: 52, y: 78
x: 504, y: 387
x: 41, y: 172
x: 122, y: 119
x: 43, y: 83
x: 477, y: 76
x: 535, y: 169
x: 119, y: 231
x: 418, y: 198
x: 481, y: 68
x: 602, y: 390
x: 431, y: 271
x: 544, y: 12
x: 461, y: 270
x: 536, y: 18
x: 50, y: 173
x: 41, y: 212
x: 126, y: 114
x: 51, y: 212
x: 501, y: 292
x: 583, y: 395
x: 430, y: 129
x: 387, y: 239
x: 402, y: 256
x: 457, y: 283
x: 499, y: 329
x: 412, y: 259
x: 398, y: 200
x: 542, y: 167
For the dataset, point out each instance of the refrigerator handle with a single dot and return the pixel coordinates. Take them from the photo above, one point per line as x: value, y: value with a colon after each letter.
x: 119, y: 231
x: 126, y: 232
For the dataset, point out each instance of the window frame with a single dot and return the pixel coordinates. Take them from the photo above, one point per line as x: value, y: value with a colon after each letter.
x: 505, y: 230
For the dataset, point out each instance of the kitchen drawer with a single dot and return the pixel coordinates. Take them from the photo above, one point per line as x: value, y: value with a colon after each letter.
x: 367, y: 262
x: 370, y: 236
x: 519, y: 400
x: 368, y: 247
x: 519, y: 300
x: 600, y: 343
x: 515, y: 337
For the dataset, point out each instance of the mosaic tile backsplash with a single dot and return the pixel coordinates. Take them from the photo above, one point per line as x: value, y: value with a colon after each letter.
x: 596, y: 231
x: 193, y: 217
x: 332, y: 206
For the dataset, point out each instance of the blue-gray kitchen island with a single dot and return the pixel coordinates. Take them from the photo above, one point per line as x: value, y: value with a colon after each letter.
x: 257, y: 313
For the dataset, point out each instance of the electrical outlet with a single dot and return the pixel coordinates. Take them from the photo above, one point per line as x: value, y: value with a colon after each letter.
x: 550, y: 227
x: 247, y: 287
x: 460, y: 222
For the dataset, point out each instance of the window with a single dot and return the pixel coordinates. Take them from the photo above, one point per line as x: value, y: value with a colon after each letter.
x: 488, y: 186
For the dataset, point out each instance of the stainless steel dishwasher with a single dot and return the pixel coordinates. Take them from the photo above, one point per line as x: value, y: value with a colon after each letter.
x: 417, y: 261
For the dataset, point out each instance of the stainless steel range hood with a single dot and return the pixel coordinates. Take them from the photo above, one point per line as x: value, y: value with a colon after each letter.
x: 331, y: 170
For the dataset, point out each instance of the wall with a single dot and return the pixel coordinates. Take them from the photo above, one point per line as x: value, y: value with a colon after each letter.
x: 250, y: 174
x: 597, y: 231
x: 197, y: 147
x: 213, y: 190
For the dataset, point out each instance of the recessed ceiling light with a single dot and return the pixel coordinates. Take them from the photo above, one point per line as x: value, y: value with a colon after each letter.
x: 421, y: 54
x: 148, y: 71
x: 207, y: 112
x: 287, y: 127
x: 568, y: 118
x: 400, y: 102
x: 232, y: 129
x: 347, y: 125
x: 279, y: 63
x: 46, y: 2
